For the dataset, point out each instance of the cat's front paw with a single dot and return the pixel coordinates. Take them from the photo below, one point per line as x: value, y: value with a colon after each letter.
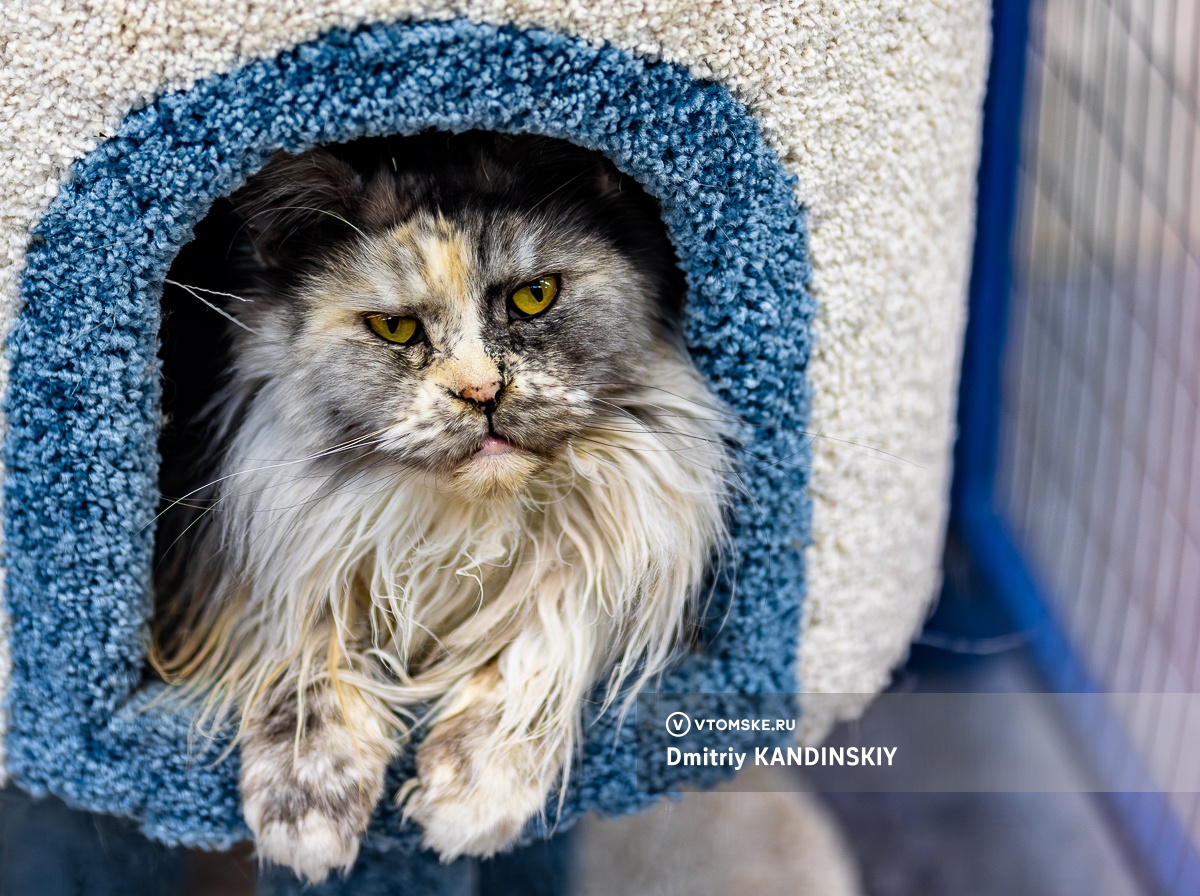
x: 309, y: 800
x: 307, y: 819
x: 312, y: 844
x: 474, y: 797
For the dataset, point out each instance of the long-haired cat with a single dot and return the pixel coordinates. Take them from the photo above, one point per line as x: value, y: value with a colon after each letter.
x: 463, y: 463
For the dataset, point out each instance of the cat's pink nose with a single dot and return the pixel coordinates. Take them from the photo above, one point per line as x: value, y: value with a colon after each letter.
x: 482, y: 393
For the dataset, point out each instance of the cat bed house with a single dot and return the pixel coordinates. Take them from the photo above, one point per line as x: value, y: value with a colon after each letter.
x: 815, y: 166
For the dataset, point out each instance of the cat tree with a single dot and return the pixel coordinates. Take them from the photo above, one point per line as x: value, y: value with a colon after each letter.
x: 815, y: 164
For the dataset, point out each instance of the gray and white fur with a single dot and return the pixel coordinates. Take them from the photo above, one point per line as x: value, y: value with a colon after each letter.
x: 492, y: 519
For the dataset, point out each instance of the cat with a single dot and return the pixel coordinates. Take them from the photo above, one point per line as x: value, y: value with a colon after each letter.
x: 460, y: 465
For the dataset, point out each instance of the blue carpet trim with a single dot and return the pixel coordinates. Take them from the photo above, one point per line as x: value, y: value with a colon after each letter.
x: 80, y: 493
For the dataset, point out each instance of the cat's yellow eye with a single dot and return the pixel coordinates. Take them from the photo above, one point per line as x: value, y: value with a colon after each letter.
x: 393, y: 328
x: 533, y: 298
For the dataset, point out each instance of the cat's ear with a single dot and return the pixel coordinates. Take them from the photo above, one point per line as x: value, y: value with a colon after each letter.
x: 297, y: 204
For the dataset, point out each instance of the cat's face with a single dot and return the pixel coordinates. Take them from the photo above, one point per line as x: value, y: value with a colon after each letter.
x: 468, y: 338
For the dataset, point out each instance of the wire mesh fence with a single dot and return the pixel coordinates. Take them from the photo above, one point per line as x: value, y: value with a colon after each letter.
x: 1099, y: 473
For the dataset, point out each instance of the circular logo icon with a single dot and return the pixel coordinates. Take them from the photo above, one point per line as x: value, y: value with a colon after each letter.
x: 678, y: 724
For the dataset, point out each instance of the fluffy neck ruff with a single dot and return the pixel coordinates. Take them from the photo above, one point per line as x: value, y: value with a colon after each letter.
x: 328, y: 567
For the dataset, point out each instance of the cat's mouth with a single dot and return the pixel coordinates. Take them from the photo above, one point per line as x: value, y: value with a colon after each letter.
x: 496, y: 466
x: 491, y: 450
x: 494, y: 446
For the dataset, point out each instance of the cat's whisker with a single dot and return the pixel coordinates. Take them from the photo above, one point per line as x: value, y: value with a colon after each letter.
x: 305, y: 208
x: 350, y: 445
x: 684, y: 451
x: 639, y: 425
x: 685, y: 399
x: 195, y: 291
x: 186, y: 529
x: 211, y: 292
x: 730, y: 474
x: 185, y: 504
x: 870, y: 448
x: 661, y: 411
x: 212, y: 507
x: 558, y: 189
x: 696, y: 439
x: 314, y: 499
x: 886, y: 456
x: 856, y: 443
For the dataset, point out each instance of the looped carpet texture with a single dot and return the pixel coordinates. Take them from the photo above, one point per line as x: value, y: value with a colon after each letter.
x: 82, y: 403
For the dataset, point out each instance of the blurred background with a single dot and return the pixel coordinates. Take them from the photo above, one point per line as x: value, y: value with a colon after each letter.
x: 1073, y: 561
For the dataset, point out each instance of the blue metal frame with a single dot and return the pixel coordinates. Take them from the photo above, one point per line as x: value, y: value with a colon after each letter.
x: 1167, y: 860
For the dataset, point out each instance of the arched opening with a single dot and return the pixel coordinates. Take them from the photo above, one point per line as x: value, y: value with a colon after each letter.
x: 83, y: 405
